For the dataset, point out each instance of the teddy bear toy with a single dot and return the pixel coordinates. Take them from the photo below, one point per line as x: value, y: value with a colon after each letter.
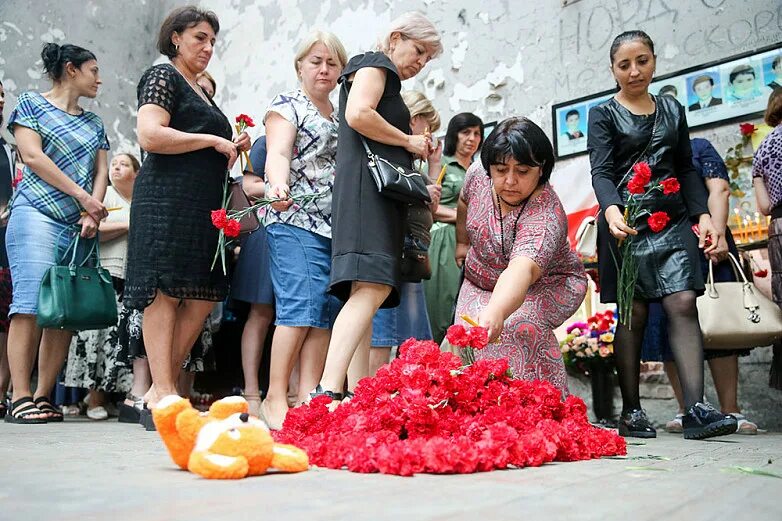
x: 223, y: 443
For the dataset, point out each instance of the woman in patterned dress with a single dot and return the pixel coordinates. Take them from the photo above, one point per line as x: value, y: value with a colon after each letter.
x: 65, y: 176
x: 521, y: 278
x: 301, y: 139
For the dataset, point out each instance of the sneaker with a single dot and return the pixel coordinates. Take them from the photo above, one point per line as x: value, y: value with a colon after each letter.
x: 635, y: 424
x: 98, y: 413
x: 704, y: 421
x: 675, y: 425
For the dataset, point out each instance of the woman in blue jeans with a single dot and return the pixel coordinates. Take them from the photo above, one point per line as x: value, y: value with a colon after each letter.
x: 64, y: 149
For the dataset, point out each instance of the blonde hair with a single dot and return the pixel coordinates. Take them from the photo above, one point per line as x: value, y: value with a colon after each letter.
x: 328, y: 39
x: 415, y: 26
x: 205, y: 74
x: 419, y: 105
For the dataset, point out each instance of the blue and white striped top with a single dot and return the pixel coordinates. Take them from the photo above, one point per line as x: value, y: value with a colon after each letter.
x: 71, y: 142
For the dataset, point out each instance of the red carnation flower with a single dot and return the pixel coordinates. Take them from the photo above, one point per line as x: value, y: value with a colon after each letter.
x: 642, y: 172
x: 747, y: 129
x: 657, y: 221
x: 17, y: 179
x: 245, y: 120
x: 232, y: 228
x: 219, y: 218
x: 670, y: 186
x: 761, y: 273
x: 479, y: 337
x: 636, y: 186
x: 458, y: 336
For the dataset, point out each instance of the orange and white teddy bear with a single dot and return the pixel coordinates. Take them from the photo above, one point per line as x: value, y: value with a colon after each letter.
x: 223, y: 443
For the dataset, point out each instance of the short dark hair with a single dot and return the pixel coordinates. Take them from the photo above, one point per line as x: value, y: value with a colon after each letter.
x: 629, y: 36
x: 702, y: 79
x: 741, y: 69
x: 668, y: 89
x: 777, y: 61
x: 773, y: 115
x: 180, y: 19
x: 572, y: 112
x: 458, y: 123
x: 55, y: 57
x: 523, y: 140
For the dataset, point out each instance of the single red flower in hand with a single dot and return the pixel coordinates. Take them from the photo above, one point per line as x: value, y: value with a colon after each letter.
x: 657, y: 221
x: 17, y: 179
x: 670, y: 186
x: 458, y: 336
x: 642, y: 172
x: 479, y: 337
x: 747, y: 129
x: 232, y: 228
x: 761, y: 273
x: 219, y: 218
x: 636, y: 186
x: 245, y: 120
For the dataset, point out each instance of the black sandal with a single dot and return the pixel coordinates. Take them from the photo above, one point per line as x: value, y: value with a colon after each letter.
x: 23, y: 416
x: 319, y: 391
x: 46, y: 407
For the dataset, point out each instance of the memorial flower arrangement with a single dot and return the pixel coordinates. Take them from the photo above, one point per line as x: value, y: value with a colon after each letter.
x: 640, y: 190
x: 589, y: 341
x: 427, y: 412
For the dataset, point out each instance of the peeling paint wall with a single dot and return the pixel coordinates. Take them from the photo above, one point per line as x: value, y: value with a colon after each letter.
x: 501, y: 57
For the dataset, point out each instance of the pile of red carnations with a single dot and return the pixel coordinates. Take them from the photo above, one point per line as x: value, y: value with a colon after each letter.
x: 427, y: 413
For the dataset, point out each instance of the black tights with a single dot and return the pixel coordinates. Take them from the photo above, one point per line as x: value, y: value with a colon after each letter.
x: 684, y: 335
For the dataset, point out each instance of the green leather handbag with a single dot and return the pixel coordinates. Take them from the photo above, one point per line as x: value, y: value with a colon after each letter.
x: 74, y: 295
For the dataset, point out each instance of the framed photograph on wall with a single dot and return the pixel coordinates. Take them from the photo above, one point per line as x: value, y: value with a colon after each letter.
x: 712, y: 93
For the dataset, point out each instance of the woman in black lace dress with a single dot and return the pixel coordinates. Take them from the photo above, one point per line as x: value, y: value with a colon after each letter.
x: 635, y: 126
x: 172, y: 240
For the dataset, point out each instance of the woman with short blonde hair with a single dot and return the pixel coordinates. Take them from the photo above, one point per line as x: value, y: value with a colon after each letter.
x: 412, y: 26
x: 329, y: 40
x: 419, y: 105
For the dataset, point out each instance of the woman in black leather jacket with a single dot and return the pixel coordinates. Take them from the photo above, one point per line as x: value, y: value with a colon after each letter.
x: 635, y: 126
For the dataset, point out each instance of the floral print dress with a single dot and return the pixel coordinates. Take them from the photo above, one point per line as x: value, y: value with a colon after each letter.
x: 527, y: 338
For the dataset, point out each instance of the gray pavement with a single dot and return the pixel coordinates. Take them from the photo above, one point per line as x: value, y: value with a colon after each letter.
x: 82, y: 470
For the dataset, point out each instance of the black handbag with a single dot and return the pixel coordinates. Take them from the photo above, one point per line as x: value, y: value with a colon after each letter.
x: 415, y: 252
x: 394, y: 181
x: 238, y: 201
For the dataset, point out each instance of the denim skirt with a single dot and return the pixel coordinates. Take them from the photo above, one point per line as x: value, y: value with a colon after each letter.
x: 252, y: 280
x: 34, y: 243
x: 392, y: 326
x: 300, y: 271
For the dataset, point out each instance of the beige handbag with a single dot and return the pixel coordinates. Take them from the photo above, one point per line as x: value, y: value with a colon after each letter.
x: 586, y: 237
x: 735, y: 315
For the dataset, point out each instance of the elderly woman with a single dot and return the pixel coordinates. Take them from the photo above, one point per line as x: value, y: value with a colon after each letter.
x: 64, y: 149
x: 172, y: 240
x: 301, y: 141
x: 521, y: 279
x: 368, y: 228
x: 462, y: 140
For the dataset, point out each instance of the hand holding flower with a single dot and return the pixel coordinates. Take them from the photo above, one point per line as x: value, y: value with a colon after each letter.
x: 616, y: 223
x: 708, y: 238
x: 492, y: 320
x: 283, y: 194
x: 242, y: 142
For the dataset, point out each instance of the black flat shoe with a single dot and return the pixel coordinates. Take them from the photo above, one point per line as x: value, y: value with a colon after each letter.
x: 146, y: 420
x: 128, y: 413
x: 635, y: 424
x: 703, y: 421
x: 319, y: 391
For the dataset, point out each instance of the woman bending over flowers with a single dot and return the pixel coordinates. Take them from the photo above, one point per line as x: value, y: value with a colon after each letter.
x: 521, y: 279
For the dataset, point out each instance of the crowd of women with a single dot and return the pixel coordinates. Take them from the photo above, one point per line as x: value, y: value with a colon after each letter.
x: 344, y: 272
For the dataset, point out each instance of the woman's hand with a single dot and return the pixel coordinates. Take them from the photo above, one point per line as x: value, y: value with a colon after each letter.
x: 460, y: 253
x: 228, y: 149
x: 491, y: 320
x: 720, y: 253
x: 435, y: 156
x: 418, y: 145
x: 283, y: 193
x: 242, y: 142
x: 708, y: 237
x: 89, y: 227
x: 92, y: 206
x: 435, y: 192
x: 616, y: 223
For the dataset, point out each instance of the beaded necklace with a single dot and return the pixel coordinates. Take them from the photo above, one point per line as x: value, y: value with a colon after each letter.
x: 523, y: 205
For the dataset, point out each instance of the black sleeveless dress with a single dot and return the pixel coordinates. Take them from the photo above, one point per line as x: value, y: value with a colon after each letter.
x: 171, y: 242
x: 668, y: 261
x: 367, y: 228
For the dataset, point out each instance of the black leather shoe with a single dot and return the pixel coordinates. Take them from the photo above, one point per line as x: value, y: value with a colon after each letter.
x: 635, y: 424
x: 319, y: 391
x: 703, y: 421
